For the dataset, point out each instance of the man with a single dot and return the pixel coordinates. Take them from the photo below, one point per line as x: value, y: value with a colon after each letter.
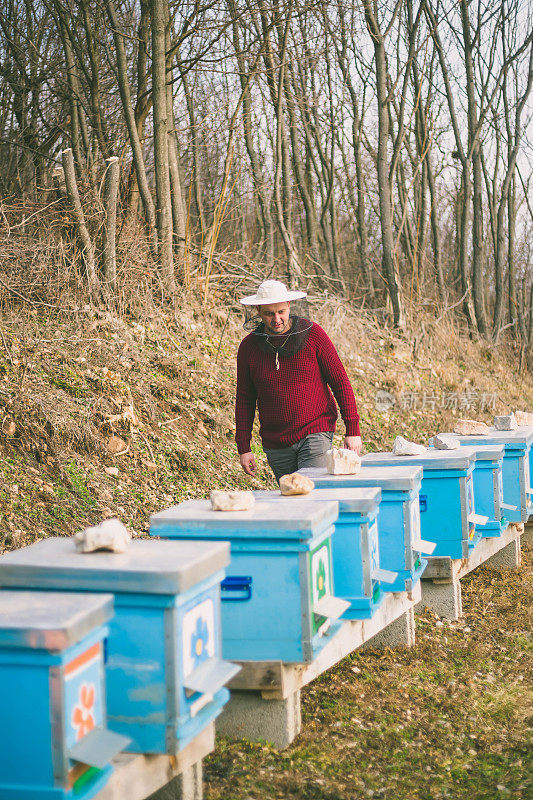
x: 289, y: 368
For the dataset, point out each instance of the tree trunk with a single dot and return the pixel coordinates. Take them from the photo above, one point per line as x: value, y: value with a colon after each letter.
x: 158, y: 16
x: 389, y: 264
x: 109, y: 258
x: 135, y: 143
x: 74, y: 199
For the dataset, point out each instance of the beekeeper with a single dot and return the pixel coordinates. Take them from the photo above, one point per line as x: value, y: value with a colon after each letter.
x: 289, y: 369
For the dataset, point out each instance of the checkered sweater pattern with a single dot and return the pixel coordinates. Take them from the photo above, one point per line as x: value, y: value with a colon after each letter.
x: 294, y: 400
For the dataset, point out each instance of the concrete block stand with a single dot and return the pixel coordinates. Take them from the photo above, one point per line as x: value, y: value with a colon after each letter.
x: 249, y: 716
x: 441, y: 586
x: 265, y: 696
x: 160, y: 777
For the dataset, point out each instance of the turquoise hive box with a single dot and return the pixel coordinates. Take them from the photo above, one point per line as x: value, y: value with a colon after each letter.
x: 488, y: 489
x: 55, y: 743
x: 517, y: 492
x: 165, y: 679
x: 447, y: 512
x: 354, y: 546
x: 400, y: 542
x: 278, y: 601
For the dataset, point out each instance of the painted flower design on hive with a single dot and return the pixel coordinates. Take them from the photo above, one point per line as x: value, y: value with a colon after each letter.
x: 321, y: 579
x: 82, y: 715
x: 199, y: 641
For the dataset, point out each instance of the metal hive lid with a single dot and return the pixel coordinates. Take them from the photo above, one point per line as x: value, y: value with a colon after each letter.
x: 147, y: 567
x: 431, y: 459
x: 355, y: 500
x: 290, y: 518
x: 392, y: 478
x: 50, y: 620
x: 522, y: 437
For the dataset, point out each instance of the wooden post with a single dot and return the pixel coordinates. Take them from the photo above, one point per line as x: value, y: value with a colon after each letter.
x: 109, y: 260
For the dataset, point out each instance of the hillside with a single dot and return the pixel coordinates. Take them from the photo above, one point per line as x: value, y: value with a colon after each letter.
x: 104, y: 415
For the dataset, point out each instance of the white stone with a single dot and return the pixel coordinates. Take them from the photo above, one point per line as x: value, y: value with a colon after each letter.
x: 524, y: 418
x: 402, y: 447
x: 111, y: 534
x: 506, y: 423
x: 445, y: 441
x: 294, y: 483
x: 235, y: 500
x: 342, y: 462
x: 470, y: 427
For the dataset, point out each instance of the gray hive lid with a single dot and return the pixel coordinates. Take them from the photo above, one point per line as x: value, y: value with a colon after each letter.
x: 291, y: 518
x: 350, y: 500
x: 487, y: 452
x: 392, y: 478
x: 522, y: 437
x: 50, y: 620
x: 147, y: 567
x: 461, y: 458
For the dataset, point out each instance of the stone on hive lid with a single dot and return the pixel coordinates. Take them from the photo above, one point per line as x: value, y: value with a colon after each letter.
x: 294, y: 483
x: 524, y: 418
x: 471, y: 427
x: 235, y: 500
x: 402, y: 447
x: 445, y: 441
x: 111, y: 534
x: 506, y: 423
x: 342, y: 462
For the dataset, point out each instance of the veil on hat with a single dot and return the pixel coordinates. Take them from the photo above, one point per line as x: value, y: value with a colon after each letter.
x: 272, y: 291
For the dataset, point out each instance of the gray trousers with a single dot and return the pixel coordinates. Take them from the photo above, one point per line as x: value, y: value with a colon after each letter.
x: 308, y: 452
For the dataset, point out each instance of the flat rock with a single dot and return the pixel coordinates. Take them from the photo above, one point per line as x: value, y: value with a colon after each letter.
x: 445, y: 441
x: 235, y: 500
x: 111, y: 534
x: 294, y: 483
x: 524, y: 418
x: 506, y: 423
x: 342, y: 461
x: 471, y: 427
x: 116, y: 445
x: 403, y: 447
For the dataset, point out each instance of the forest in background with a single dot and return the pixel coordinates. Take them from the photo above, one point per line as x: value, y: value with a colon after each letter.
x: 378, y: 151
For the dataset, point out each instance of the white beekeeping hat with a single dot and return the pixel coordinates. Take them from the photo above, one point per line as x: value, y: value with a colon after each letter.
x: 271, y: 292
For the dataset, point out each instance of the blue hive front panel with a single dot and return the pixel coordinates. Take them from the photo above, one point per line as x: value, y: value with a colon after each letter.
x: 517, y: 497
x: 444, y: 515
x: 398, y: 516
x: 155, y: 643
x: 53, y: 703
x: 273, y: 620
x: 488, y: 492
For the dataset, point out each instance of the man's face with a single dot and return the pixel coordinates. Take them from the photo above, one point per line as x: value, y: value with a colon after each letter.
x: 275, y: 317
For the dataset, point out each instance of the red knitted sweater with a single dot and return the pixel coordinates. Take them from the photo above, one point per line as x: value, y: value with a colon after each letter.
x: 294, y: 400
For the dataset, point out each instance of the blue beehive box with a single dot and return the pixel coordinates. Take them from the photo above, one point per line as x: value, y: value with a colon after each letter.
x: 164, y: 675
x: 400, y: 542
x: 55, y: 742
x: 278, y: 602
x: 517, y: 492
x: 447, y: 512
x: 488, y: 489
x: 354, y: 545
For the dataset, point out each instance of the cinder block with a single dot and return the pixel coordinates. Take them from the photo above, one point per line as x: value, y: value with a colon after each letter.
x: 400, y: 633
x: 442, y: 598
x: 509, y: 557
x: 186, y: 786
x: 248, y: 716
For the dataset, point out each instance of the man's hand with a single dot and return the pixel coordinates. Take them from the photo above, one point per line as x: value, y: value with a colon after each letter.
x: 352, y: 443
x: 248, y: 463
